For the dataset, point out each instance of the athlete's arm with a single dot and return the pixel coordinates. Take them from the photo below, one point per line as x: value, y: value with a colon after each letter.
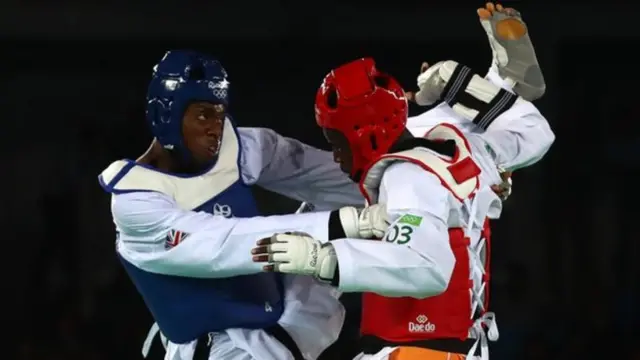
x: 519, y: 137
x: 493, y: 76
x: 294, y: 169
x: 209, y: 246
x: 515, y: 131
x: 512, y: 129
x: 414, y: 258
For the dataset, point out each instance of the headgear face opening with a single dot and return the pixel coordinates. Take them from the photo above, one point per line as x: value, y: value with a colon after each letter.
x: 367, y: 106
x: 180, y: 78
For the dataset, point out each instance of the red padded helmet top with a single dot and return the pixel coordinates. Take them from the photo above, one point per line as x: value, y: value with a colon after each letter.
x: 367, y: 106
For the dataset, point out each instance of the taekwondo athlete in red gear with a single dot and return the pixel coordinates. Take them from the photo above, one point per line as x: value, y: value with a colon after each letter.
x: 186, y: 222
x: 426, y: 282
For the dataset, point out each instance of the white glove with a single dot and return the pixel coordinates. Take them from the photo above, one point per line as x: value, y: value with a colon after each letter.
x: 302, y: 255
x: 370, y: 222
x: 432, y: 81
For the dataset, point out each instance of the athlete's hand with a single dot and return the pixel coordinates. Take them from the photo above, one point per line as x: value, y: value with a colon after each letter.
x: 503, y: 190
x: 431, y: 83
x: 411, y: 96
x: 296, y: 253
x: 370, y: 222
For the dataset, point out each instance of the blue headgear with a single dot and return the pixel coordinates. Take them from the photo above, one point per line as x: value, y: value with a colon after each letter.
x: 182, y: 77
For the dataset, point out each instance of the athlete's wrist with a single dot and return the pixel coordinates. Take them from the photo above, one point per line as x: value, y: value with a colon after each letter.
x: 327, y: 263
x: 336, y: 227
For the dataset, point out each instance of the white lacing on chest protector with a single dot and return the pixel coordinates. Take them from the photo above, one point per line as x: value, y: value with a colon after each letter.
x: 478, y: 271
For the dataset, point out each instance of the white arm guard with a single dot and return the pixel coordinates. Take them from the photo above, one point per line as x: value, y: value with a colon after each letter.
x: 468, y: 94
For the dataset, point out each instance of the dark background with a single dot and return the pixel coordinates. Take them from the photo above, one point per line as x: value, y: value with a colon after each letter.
x: 73, y: 78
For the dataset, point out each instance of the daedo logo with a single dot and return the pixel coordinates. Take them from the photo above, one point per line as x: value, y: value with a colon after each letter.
x: 422, y: 325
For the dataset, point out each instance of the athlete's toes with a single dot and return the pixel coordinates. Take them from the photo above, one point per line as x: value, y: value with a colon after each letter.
x: 484, y: 14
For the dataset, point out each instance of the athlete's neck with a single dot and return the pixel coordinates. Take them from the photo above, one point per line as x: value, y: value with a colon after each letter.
x: 154, y: 156
x: 165, y: 160
x: 403, y: 138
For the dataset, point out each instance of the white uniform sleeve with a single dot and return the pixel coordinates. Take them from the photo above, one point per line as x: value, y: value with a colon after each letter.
x: 209, y: 247
x: 520, y: 136
x: 494, y: 77
x: 517, y: 138
x: 296, y: 170
x: 414, y: 258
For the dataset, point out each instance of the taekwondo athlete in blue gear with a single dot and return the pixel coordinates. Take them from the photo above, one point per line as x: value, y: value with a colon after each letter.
x: 187, y: 221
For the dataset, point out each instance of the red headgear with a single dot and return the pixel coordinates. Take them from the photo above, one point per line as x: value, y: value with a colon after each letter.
x: 367, y: 106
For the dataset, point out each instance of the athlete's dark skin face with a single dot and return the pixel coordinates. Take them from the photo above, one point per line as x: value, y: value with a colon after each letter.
x: 202, y: 127
x: 340, y: 148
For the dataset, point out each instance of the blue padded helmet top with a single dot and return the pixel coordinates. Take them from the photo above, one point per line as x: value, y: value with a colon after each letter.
x: 180, y: 78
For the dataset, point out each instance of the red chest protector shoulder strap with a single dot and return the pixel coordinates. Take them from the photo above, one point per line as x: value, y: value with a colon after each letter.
x: 459, y: 174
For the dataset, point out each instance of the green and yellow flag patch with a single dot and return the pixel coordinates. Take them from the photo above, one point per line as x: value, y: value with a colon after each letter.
x: 410, y: 220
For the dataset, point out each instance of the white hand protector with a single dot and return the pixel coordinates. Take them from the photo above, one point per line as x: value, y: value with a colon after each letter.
x: 368, y: 223
x: 431, y: 85
x: 302, y: 255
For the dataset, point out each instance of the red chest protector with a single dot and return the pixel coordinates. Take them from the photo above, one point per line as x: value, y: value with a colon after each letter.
x: 452, y: 313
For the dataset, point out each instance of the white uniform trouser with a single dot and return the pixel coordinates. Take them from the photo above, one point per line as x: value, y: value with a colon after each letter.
x: 235, y: 344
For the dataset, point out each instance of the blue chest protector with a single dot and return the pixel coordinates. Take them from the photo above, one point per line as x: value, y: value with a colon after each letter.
x: 187, y: 308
